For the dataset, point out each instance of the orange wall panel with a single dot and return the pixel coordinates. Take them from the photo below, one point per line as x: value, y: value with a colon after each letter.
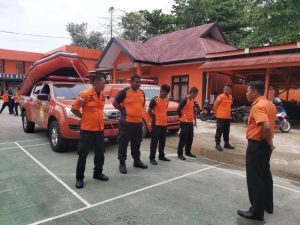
x: 165, y: 74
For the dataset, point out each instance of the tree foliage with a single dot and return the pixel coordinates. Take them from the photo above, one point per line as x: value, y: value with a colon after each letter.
x: 245, y: 23
x: 80, y: 36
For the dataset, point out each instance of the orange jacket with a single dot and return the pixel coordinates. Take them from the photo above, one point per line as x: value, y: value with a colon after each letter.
x: 5, y: 97
x: 92, y: 110
x: 160, y: 108
x: 222, y: 106
x: 17, y: 97
x: 186, y: 110
x: 132, y: 103
x: 262, y: 110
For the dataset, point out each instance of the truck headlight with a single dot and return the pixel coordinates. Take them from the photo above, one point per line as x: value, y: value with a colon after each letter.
x: 69, y: 112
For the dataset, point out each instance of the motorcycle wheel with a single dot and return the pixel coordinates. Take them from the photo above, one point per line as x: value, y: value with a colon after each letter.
x: 202, y: 117
x: 285, y: 126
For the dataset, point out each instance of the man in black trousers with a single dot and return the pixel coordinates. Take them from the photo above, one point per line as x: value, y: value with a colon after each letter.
x: 260, y: 133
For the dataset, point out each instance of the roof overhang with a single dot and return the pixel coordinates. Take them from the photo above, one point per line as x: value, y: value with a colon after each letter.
x: 270, y: 61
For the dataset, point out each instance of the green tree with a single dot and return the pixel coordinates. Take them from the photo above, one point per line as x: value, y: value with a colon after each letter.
x: 142, y: 25
x: 132, y: 25
x: 80, y: 36
x: 228, y: 13
x: 156, y: 22
x: 272, y: 22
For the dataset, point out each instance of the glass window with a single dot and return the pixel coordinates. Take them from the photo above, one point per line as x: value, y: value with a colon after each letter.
x: 1, y: 66
x: 37, y: 89
x: 150, y: 91
x: 19, y: 68
x: 68, y: 91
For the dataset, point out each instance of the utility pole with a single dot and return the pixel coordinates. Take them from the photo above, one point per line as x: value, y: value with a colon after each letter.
x: 111, y: 11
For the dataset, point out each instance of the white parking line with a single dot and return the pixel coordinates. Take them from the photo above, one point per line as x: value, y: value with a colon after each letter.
x: 276, y: 185
x: 243, y: 168
x: 54, y: 176
x: 124, y: 195
x: 24, y: 146
x: 2, y: 143
x: 228, y: 171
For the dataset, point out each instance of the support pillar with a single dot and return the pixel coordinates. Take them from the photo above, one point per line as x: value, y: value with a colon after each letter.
x: 115, y: 71
x: 207, y: 85
x: 139, y: 69
x: 267, y: 83
x: 288, y: 87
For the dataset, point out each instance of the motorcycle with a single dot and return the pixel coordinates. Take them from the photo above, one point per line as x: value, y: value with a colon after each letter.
x: 239, y: 114
x: 207, y: 113
x: 281, y: 121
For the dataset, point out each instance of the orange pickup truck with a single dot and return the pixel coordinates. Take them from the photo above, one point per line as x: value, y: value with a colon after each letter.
x: 150, y: 91
x: 49, y: 106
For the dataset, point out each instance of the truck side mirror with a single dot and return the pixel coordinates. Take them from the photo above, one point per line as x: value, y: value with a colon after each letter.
x: 43, y: 97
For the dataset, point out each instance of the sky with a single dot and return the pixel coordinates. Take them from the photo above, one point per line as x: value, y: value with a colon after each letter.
x: 50, y: 17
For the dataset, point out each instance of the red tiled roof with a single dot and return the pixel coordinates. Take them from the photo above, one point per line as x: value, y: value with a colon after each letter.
x: 188, y: 44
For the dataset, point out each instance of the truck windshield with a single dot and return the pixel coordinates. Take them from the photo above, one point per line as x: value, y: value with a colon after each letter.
x: 68, y: 91
x: 150, y: 91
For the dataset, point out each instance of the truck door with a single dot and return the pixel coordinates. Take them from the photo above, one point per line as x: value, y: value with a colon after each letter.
x: 44, y: 106
x: 33, y: 103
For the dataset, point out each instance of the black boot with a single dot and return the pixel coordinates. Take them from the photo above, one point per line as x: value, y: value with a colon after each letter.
x: 218, y: 147
x: 101, y: 176
x: 79, y: 183
x: 140, y: 164
x: 250, y: 215
x: 122, y: 167
x: 190, y: 154
x: 163, y: 158
x: 229, y: 146
x: 153, y: 162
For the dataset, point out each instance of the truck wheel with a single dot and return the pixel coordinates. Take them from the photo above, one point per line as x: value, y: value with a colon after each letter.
x: 28, y: 126
x: 57, y: 142
x: 113, y: 140
x: 145, y: 130
x: 173, y: 131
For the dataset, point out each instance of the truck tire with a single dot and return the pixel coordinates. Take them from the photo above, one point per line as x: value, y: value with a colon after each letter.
x: 173, y: 131
x: 28, y: 126
x: 57, y: 142
x: 113, y: 140
x: 145, y: 131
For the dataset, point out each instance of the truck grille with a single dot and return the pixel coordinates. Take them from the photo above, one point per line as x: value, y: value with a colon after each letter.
x: 172, y: 113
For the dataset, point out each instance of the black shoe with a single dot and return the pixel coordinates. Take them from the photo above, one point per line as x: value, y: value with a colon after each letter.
x: 79, y: 183
x: 181, y: 157
x: 122, y: 167
x: 270, y: 211
x: 101, y: 176
x: 163, y: 158
x: 229, y: 146
x: 190, y: 155
x: 140, y: 164
x: 250, y: 215
x: 218, y: 147
x: 153, y: 162
x: 16, y: 115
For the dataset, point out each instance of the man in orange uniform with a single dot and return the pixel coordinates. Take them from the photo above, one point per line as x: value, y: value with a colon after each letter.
x: 131, y: 102
x: 222, y: 108
x: 91, y: 129
x: 187, y: 116
x: 260, y: 133
x: 5, y: 100
x: 17, y: 101
x: 158, y: 111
